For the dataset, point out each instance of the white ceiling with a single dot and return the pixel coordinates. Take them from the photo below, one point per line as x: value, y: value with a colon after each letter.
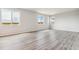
x: 50, y: 11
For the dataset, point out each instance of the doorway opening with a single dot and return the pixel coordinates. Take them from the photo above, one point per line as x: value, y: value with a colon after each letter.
x: 51, y: 22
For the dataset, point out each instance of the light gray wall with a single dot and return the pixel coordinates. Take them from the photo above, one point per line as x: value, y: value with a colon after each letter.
x: 28, y: 23
x: 68, y: 21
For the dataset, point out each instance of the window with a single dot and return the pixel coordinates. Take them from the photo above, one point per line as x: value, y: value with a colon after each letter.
x: 40, y: 19
x: 16, y: 17
x: 10, y: 16
x: 5, y: 16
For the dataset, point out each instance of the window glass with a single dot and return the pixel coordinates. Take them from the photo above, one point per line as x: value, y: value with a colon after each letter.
x: 16, y: 17
x: 5, y: 16
x: 10, y: 16
x: 40, y: 19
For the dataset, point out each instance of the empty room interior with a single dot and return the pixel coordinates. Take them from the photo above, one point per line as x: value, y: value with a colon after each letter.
x: 39, y: 29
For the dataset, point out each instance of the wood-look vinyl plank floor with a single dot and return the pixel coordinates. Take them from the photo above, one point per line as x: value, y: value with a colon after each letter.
x: 41, y: 40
